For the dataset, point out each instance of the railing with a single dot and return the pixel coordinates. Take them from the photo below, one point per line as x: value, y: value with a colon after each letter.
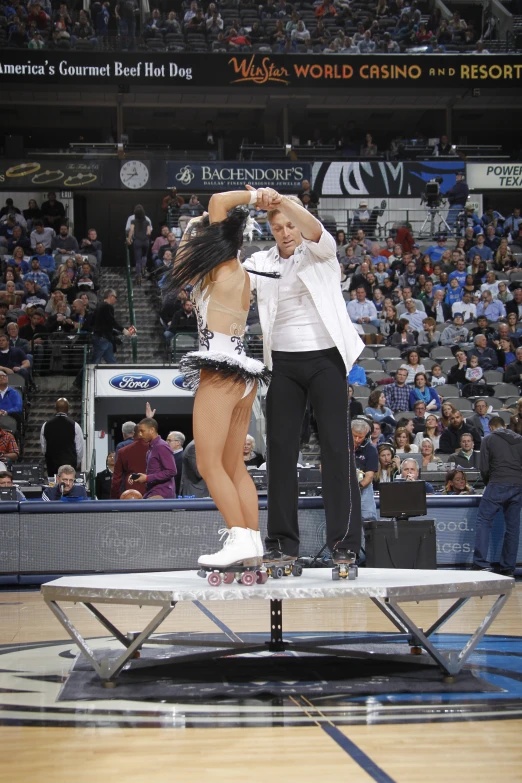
x: 62, y: 352
x: 130, y: 297
x: 92, y: 473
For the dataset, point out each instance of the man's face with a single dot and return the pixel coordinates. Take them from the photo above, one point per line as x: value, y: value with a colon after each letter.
x: 5, y: 481
x: 360, y: 294
x: 400, y: 376
x: 35, y: 265
x: 410, y: 471
x: 63, y: 231
x: 480, y: 239
x: 410, y: 306
x: 519, y: 354
x: 39, y: 230
x: 110, y: 460
x: 406, y: 293
x: 481, y: 408
x: 187, y: 306
x: 4, y: 342
x: 389, y: 243
x: 429, y: 286
x: 481, y: 341
x: 420, y: 410
x: 35, y: 320
x: 358, y: 438
x: 165, y: 231
x: 3, y: 381
x: 456, y: 420
x: 286, y: 235
x: 517, y: 295
x: 503, y: 331
x: 360, y: 234
x: 146, y: 433
x: 17, y: 232
x: 411, y: 267
x: 12, y: 331
x: 466, y: 443
x: 67, y: 479
x: 458, y: 320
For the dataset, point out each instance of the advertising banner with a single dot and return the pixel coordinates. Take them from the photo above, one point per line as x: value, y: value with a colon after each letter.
x: 382, y: 178
x: 59, y: 173
x: 158, y: 382
x: 259, y: 70
x: 494, y: 176
x: 218, y: 176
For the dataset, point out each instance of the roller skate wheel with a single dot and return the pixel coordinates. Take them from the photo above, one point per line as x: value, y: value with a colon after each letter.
x: 297, y: 570
x: 228, y: 578
x: 335, y: 575
x: 277, y: 572
x: 352, y: 573
x: 214, y: 579
x: 262, y: 577
x: 248, y: 578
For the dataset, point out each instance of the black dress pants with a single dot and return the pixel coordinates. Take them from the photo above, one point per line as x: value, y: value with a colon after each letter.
x: 321, y: 376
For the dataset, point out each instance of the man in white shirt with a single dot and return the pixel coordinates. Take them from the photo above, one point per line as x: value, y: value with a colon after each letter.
x: 311, y: 344
x: 466, y: 307
x: 413, y: 316
x: 362, y: 311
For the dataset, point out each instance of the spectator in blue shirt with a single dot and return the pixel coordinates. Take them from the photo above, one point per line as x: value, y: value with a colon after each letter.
x: 357, y: 376
x: 481, y: 249
x: 453, y: 292
x: 493, y: 309
x: 459, y: 273
x: 47, y: 263
x: 38, y: 277
x: 10, y: 399
x: 435, y: 251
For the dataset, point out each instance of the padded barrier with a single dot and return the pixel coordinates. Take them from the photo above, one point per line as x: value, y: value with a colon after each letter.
x: 39, y: 540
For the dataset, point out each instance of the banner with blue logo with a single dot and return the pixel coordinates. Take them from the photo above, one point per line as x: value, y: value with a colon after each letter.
x: 161, y: 382
x: 382, y: 178
x: 219, y: 175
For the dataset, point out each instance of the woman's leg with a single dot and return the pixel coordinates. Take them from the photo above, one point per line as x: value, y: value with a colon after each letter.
x: 234, y: 463
x: 214, y: 406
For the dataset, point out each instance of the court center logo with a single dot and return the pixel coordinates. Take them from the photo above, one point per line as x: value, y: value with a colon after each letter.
x: 119, y: 542
x: 185, y: 175
x: 133, y: 383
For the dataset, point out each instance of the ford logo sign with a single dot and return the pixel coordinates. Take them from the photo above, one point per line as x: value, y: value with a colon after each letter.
x: 179, y: 383
x: 134, y: 382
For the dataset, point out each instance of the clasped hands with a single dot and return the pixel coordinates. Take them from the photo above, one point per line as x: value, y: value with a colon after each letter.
x: 267, y: 198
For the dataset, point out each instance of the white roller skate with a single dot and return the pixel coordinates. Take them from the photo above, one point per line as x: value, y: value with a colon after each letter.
x: 236, y: 560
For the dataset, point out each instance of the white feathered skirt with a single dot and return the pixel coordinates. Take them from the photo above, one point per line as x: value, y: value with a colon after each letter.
x: 225, y: 356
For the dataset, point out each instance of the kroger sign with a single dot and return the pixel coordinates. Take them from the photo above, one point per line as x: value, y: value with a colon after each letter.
x: 134, y: 382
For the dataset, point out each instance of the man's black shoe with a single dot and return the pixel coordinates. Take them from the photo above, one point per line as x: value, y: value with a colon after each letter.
x: 489, y: 569
x: 343, y: 556
x: 274, y: 555
x: 506, y: 572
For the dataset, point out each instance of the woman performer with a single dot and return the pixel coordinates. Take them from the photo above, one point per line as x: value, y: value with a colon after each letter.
x: 224, y: 377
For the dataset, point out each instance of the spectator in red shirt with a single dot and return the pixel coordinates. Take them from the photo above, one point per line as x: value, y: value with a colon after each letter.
x: 130, y: 459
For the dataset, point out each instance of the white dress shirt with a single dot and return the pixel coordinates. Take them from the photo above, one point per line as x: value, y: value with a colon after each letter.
x: 318, y: 269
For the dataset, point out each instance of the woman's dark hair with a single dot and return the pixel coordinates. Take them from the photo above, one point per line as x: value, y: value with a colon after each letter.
x: 337, y: 233
x: 139, y: 213
x: 417, y: 375
x: 450, y: 477
x: 402, y: 325
x: 373, y: 399
x: 213, y: 244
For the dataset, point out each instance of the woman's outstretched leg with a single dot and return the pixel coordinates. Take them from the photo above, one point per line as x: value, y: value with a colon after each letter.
x: 214, y: 406
x: 234, y: 463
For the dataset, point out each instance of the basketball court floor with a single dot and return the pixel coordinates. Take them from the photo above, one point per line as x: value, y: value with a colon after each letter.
x: 387, y: 736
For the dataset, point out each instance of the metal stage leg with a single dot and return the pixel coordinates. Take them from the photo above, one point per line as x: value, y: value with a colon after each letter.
x: 446, y: 616
x: 450, y: 663
x: 105, y: 670
x: 276, y: 643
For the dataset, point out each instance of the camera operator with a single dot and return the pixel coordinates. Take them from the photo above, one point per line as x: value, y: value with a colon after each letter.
x: 457, y: 197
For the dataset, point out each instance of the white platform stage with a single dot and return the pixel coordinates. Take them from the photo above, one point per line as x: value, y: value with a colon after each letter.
x: 388, y: 589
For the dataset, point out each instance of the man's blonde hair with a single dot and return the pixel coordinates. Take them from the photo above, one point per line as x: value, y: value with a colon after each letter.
x: 294, y: 199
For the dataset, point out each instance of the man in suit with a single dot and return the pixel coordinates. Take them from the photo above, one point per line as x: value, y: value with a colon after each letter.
x: 104, y: 479
x: 130, y: 459
x: 480, y: 419
x: 515, y: 305
x: 439, y: 310
x: 61, y: 439
x: 192, y: 482
x: 176, y: 440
